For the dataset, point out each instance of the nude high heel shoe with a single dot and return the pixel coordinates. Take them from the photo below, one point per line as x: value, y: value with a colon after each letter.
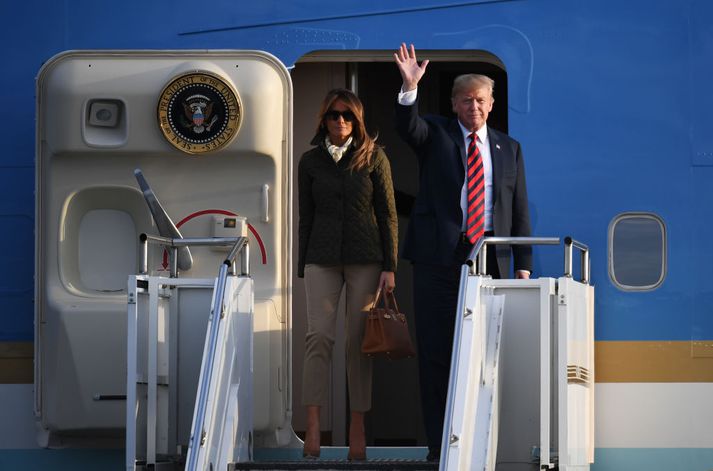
x: 357, y: 438
x: 312, y: 434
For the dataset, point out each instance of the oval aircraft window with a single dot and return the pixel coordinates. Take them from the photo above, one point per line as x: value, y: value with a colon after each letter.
x: 637, y: 251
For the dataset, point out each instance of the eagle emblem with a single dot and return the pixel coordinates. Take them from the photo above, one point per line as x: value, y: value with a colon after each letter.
x: 198, y: 110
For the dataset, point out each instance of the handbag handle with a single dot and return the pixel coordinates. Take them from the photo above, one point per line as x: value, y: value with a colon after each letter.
x: 388, y: 298
x: 376, y: 298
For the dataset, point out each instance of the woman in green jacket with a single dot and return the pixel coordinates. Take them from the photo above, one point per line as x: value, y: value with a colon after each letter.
x: 347, y: 241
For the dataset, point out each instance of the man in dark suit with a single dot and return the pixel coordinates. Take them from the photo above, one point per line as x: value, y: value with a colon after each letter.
x: 437, y: 241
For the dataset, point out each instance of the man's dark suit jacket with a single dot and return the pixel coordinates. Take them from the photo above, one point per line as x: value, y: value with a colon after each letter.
x: 437, y: 217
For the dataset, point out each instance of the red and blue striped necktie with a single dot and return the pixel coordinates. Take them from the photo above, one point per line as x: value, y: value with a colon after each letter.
x: 475, y: 224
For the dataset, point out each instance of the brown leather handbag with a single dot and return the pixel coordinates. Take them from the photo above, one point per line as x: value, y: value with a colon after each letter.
x: 386, y: 333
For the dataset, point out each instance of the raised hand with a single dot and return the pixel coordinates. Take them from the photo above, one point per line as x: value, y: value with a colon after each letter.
x: 411, y: 72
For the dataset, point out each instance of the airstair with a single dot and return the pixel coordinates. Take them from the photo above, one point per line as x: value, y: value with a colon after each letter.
x: 164, y: 315
x: 520, y: 393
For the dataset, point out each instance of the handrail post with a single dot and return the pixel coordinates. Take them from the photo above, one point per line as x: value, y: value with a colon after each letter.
x: 143, y: 254
x: 241, y: 246
x: 174, y: 262
x: 585, y: 266
x: 584, y: 257
x: 568, y: 257
x: 245, y: 260
x: 483, y: 261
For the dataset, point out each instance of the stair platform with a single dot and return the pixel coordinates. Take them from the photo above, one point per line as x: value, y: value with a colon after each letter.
x: 334, y: 458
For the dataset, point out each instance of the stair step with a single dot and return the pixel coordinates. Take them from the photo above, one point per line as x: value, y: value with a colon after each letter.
x: 334, y: 458
x: 325, y: 464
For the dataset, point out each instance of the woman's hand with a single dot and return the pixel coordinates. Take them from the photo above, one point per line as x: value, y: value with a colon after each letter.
x: 387, y: 281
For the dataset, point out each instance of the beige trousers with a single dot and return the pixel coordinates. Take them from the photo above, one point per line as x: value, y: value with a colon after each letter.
x: 324, y: 285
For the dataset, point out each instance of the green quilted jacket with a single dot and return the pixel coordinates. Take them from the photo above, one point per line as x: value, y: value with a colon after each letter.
x: 346, y: 216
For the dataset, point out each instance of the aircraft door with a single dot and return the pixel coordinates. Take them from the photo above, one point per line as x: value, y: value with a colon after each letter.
x: 211, y: 131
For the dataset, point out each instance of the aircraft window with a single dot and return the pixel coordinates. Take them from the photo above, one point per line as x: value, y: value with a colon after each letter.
x: 637, y: 251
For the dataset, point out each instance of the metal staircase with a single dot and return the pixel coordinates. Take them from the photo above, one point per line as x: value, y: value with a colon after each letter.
x: 521, y: 392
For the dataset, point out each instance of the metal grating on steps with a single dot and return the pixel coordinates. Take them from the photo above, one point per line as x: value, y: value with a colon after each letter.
x: 326, y: 465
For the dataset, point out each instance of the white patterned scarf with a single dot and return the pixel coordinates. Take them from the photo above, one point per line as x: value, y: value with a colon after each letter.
x: 337, y: 151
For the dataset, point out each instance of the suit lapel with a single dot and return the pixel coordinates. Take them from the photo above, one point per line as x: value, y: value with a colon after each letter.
x: 457, y: 136
x: 456, y: 167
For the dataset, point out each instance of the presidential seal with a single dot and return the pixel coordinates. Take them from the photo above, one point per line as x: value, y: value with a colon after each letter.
x: 199, y: 112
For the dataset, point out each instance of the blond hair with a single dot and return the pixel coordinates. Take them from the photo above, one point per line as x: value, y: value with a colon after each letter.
x: 467, y: 82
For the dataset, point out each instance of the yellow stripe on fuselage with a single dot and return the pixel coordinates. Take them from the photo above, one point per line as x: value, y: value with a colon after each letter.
x: 16, y: 362
x: 615, y: 362
x: 653, y: 361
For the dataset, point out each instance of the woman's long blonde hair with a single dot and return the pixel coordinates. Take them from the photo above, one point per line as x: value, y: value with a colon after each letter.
x: 362, y: 142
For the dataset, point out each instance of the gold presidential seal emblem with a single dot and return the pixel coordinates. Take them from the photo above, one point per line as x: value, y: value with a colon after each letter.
x: 199, y: 112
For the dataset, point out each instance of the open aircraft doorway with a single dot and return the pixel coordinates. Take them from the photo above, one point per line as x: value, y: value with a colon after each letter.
x: 395, y: 417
